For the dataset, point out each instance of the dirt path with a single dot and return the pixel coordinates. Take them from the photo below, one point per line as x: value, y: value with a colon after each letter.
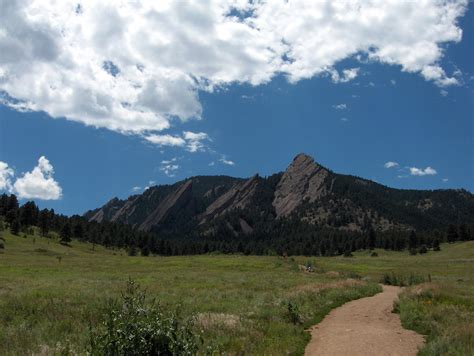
x: 365, y: 326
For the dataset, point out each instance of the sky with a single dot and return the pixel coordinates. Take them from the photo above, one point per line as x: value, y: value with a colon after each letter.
x: 102, y: 100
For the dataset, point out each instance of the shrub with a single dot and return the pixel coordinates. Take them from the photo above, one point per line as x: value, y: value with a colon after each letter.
x: 403, y: 280
x: 133, y: 326
x: 413, y: 251
x: 374, y: 254
x: 348, y: 253
x: 423, y: 249
x: 293, y: 313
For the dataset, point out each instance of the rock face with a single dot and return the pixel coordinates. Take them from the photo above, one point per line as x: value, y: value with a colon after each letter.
x: 306, y: 191
x: 108, y: 211
x: 174, y: 201
x: 304, y: 180
x: 238, y: 197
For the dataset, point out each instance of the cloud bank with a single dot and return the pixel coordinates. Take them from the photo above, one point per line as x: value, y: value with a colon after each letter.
x: 136, y: 66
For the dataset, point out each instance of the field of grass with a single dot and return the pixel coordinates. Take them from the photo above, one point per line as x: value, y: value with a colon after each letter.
x: 51, y: 294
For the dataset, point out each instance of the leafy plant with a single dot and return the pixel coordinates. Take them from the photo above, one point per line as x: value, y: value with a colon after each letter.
x: 133, y: 326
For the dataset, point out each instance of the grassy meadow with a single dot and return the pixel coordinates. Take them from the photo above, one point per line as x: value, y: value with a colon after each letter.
x: 50, y: 295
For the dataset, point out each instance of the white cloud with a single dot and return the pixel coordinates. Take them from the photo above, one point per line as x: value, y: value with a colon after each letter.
x: 347, y: 75
x: 169, y: 169
x: 39, y: 183
x: 211, y: 164
x: 393, y: 82
x: 445, y: 180
x: 191, y: 141
x: 226, y: 161
x: 136, y: 189
x: 340, y: 106
x: 443, y: 92
x: 391, y: 164
x: 136, y: 66
x: 194, y: 140
x: 166, y: 140
x: 6, y: 174
x: 344, y: 119
x: 168, y: 161
x: 428, y: 171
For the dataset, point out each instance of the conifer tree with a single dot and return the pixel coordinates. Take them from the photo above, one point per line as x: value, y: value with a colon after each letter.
x: 452, y: 234
x: 65, y: 234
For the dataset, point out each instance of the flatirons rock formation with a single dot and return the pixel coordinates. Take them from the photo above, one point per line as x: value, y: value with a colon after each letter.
x: 306, y: 192
x: 304, y: 180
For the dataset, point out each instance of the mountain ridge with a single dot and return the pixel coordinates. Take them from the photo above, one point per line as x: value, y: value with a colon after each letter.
x: 305, y: 191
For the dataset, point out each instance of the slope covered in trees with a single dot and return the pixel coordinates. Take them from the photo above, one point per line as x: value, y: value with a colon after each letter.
x: 306, y: 210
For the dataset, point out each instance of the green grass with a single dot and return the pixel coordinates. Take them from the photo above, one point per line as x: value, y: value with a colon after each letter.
x: 442, y: 308
x: 50, y: 294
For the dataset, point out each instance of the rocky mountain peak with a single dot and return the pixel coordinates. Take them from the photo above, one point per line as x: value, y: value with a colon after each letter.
x: 303, y: 180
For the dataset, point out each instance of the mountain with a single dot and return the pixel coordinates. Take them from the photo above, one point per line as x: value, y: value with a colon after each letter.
x: 306, y: 193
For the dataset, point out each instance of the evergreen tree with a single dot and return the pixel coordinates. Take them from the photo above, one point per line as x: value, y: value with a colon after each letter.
x: 348, y: 250
x: 44, y: 222
x: 452, y: 234
x: 372, y: 238
x: 412, y: 240
x: 436, y: 246
x: 145, y: 251
x: 464, y: 233
x: 65, y: 234
x: 15, y: 227
x: 29, y: 214
x: 2, y: 241
x: 78, y: 231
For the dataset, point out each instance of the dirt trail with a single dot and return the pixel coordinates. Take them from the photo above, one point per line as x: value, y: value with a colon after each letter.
x: 366, y: 327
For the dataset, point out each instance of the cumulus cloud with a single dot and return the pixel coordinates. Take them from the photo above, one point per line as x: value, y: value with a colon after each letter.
x: 428, y: 171
x: 391, y: 164
x: 135, y: 66
x: 39, y: 183
x: 6, y: 174
x: 136, y: 189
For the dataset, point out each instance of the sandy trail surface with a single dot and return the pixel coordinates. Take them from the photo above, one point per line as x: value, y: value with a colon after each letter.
x: 366, y: 327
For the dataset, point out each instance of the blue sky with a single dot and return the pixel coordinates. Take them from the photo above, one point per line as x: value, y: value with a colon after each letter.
x: 397, y: 113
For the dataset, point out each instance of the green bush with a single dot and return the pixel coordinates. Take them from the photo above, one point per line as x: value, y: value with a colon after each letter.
x: 293, y: 313
x: 393, y: 279
x: 133, y: 326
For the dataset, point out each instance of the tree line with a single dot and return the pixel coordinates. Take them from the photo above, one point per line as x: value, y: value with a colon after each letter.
x: 280, y: 237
